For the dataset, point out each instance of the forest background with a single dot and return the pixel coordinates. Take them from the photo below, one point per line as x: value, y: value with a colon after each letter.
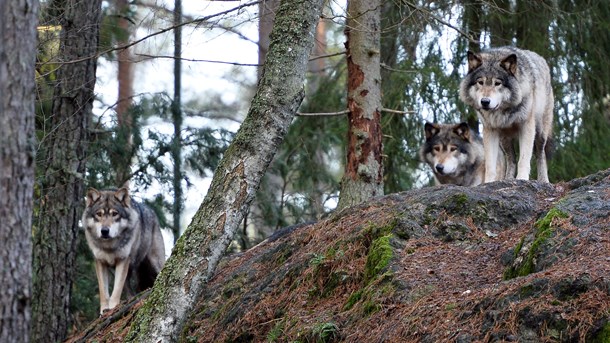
x: 164, y: 137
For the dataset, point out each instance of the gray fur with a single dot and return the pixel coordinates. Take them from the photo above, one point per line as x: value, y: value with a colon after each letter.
x: 123, y: 234
x: 457, y: 147
x: 511, y: 91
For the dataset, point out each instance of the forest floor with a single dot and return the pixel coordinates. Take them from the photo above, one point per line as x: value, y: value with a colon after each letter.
x: 507, y: 261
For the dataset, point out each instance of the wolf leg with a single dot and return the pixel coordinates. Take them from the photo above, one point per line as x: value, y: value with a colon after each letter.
x: 491, y: 145
x: 508, y: 160
x: 101, y: 271
x: 526, y: 147
x: 120, y: 275
x: 540, y: 147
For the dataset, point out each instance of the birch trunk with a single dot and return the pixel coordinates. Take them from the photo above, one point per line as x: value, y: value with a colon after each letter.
x: 363, y: 177
x: 199, y: 249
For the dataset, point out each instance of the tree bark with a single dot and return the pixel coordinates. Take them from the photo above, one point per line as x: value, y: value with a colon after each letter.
x: 17, y: 143
x: 363, y: 176
x: 199, y: 249
x: 122, y: 163
x: 178, y: 204
x: 62, y: 155
x: 266, y: 17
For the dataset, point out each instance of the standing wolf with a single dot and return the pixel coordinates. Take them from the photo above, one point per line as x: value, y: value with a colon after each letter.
x: 455, y: 154
x: 123, y: 234
x: 511, y: 91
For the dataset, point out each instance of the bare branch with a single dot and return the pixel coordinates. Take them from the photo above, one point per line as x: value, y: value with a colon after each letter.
x: 148, y: 57
x: 440, y: 20
x: 339, y: 113
x: 322, y: 114
x: 167, y: 29
x: 231, y: 63
x: 397, y: 111
x: 387, y: 67
x: 326, y: 56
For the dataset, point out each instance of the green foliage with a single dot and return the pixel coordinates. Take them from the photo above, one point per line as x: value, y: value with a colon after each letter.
x: 325, y: 332
x: 276, y: 333
x: 85, y: 297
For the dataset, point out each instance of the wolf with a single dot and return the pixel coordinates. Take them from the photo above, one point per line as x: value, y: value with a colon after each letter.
x: 123, y: 234
x: 510, y: 89
x: 455, y: 154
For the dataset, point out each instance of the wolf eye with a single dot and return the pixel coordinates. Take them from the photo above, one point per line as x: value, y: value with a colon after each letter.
x: 437, y: 148
x: 497, y: 83
x: 480, y: 82
x: 452, y: 148
x: 99, y: 213
x: 114, y: 213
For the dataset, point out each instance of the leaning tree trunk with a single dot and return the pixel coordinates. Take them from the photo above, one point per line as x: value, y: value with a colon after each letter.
x: 199, y: 249
x: 18, y: 19
x: 62, y: 158
x: 363, y: 177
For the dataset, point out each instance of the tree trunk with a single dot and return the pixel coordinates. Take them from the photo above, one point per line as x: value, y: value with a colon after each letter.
x: 63, y: 155
x: 17, y: 144
x: 266, y: 16
x: 363, y: 177
x: 122, y: 163
x: 236, y: 179
x: 177, y: 119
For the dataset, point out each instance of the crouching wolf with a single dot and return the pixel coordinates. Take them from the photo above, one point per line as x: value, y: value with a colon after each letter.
x: 455, y: 154
x: 510, y: 89
x: 123, y: 234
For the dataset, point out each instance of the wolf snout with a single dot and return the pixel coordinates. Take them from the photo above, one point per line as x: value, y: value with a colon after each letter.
x: 439, y: 168
x: 105, y: 232
x: 485, y: 102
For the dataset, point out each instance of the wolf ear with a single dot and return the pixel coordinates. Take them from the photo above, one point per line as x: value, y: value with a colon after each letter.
x: 510, y: 64
x: 122, y: 195
x: 474, y: 61
x: 431, y: 130
x: 462, y: 130
x: 93, y: 195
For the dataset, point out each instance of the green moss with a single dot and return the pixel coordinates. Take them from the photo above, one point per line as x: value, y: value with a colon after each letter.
x: 603, y: 336
x: 378, y: 257
x: 374, y: 230
x: 369, y: 307
x: 544, y: 230
x: 459, y: 199
x: 353, y: 299
x: 450, y: 307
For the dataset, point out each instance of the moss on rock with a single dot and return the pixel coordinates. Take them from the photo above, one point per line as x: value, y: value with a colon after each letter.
x: 544, y: 230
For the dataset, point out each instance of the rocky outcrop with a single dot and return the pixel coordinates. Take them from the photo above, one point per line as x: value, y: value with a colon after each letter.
x: 507, y: 261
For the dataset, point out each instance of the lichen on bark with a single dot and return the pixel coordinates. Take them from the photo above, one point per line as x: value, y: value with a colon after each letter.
x: 279, y: 94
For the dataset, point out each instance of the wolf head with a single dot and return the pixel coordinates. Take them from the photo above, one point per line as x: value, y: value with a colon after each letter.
x: 448, y: 148
x: 108, y: 213
x: 491, y: 83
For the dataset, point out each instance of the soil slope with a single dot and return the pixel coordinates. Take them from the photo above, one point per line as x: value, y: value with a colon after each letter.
x: 507, y: 261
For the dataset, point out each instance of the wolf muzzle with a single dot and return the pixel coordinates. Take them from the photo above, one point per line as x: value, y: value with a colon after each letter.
x: 485, y: 102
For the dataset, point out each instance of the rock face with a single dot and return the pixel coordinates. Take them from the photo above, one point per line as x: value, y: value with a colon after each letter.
x: 514, y: 260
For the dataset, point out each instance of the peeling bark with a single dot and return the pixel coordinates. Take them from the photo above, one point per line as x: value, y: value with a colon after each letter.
x: 236, y: 179
x: 363, y: 177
